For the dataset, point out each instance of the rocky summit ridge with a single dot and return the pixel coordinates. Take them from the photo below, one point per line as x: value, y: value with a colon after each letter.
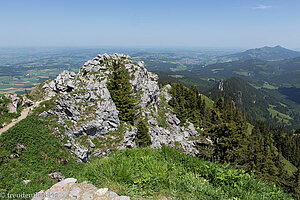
x: 85, y: 108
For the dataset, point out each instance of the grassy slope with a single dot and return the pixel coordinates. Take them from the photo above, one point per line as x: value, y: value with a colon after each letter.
x: 43, y: 154
x: 153, y: 173
x: 138, y: 173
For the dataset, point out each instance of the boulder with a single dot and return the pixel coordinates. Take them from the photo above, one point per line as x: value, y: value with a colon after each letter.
x: 69, y: 189
x: 15, y: 101
x: 80, y: 151
x: 57, y: 176
x: 44, y: 114
x: 27, y: 101
x: 21, y: 147
x: 26, y: 181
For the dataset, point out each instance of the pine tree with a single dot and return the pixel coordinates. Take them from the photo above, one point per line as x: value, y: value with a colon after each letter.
x: 121, y: 92
x: 142, y: 137
x: 219, y: 104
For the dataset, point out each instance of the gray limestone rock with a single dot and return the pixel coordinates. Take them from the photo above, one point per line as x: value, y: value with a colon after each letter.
x: 27, y: 101
x: 85, y: 107
x: 21, y: 146
x: 44, y: 114
x: 64, y: 82
x: 57, y: 192
x: 80, y: 151
x: 165, y: 92
x: 15, y: 101
x: 69, y: 189
x: 129, y: 139
x: 56, y: 175
x: 113, y: 195
x: 26, y: 181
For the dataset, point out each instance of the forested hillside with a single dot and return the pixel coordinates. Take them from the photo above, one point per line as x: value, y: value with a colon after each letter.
x: 247, y: 144
x: 265, y: 53
x: 257, y: 104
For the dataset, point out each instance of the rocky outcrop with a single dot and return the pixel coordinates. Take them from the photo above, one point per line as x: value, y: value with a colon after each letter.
x: 64, y: 82
x: 165, y: 92
x: 172, y: 134
x: 221, y: 85
x: 14, y: 103
x: 145, y: 82
x: 85, y: 107
x: 69, y: 189
x: 26, y: 101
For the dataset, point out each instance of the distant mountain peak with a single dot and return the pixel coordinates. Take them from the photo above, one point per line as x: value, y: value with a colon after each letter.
x: 275, y: 47
x: 265, y: 53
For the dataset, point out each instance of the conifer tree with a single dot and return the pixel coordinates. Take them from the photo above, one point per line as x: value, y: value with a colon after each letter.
x: 121, y: 92
x: 142, y: 137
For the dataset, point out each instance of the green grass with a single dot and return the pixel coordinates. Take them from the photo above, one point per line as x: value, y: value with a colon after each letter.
x: 249, y: 128
x: 280, y: 116
x: 161, y: 118
x: 155, y: 173
x: 43, y: 154
x: 208, y: 101
x: 268, y: 86
x: 289, y: 167
x: 176, y: 76
x: 179, y: 67
x: 139, y: 173
x: 217, y: 69
x: 283, y: 104
x: 37, y: 93
x: 242, y: 73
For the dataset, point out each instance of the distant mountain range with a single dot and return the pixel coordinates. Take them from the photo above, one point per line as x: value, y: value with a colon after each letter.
x: 281, y: 73
x: 255, y: 103
x: 265, y: 83
x: 251, y: 101
x: 264, y: 53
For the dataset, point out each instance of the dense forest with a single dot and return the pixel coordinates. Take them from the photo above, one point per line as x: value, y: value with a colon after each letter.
x: 244, y: 143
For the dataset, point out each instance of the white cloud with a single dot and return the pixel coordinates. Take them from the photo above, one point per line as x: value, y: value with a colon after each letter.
x: 261, y: 7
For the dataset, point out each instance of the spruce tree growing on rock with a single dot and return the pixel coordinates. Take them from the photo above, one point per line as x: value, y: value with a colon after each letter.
x: 142, y: 137
x: 121, y: 92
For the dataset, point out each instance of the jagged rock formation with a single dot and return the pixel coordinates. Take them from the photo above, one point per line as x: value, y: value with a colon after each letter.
x: 173, y: 134
x: 15, y: 101
x: 221, y: 85
x: 85, y: 107
x: 69, y: 189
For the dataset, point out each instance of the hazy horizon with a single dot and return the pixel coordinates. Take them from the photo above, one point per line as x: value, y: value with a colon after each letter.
x: 166, y: 48
x: 157, y: 24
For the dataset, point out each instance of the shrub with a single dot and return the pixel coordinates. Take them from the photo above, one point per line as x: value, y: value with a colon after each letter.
x: 142, y: 137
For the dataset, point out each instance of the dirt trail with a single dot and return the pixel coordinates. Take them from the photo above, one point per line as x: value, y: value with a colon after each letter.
x: 23, y: 115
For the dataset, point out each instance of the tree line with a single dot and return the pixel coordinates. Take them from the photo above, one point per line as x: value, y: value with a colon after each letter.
x: 247, y: 144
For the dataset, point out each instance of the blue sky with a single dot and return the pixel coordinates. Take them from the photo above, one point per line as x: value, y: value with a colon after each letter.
x: 145, y: 23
